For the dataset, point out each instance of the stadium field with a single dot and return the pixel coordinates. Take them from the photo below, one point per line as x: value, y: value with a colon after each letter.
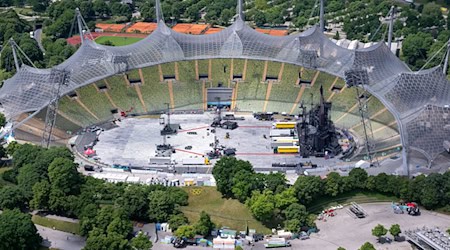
x: 117, y: 40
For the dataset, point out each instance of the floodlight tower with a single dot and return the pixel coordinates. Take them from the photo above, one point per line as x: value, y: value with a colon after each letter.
x: 359, y: 78
x: 59, y: 78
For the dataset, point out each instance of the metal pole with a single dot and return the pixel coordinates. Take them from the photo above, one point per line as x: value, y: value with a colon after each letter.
x: 240, y: 9
x: 13, y: 47
x: 80, y: 24
x: 446, y: 59
x: 391, y: 26
x: 322, y: 15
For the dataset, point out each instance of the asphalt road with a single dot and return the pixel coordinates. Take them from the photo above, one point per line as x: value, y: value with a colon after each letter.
x: 38, y: 38
x: 60, y: 240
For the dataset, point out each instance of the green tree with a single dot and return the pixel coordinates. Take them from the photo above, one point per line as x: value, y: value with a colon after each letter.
x: 41, y: 195
x: 358, y: 178
x: 395, y: 230
x: 415, y: 47
x: 244, y: 183
x: 204, y: 226
x: 141, y: 242
x: 160, y: 206
x: 285, y: 198
x: 367, y: 246
x: 259, y: 18
x: 134, y: 201
x: 448, y: 230
x: 341, y: 248
x: 12, y: 147
x: 185, y: 231
x: 63, y: 175
x: 100, y: 240
x: 296, y: 216
x: 262, y: 205
x: 224, y: 171
x: 2, y: 120
x: 12, y: 197
x: 226, y: 16
x: 308, y: 188
x: 379, y: 231
x: 276, y: 182
x: 18, y: 231
x: 27, y: 177
x: 337, y: 37
x: 333, y: 184
x: 177, y: 220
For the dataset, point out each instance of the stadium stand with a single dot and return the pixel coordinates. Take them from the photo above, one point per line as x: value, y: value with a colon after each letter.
x: 155, y: 92
x: 124, y: 96
x: 252, y: 92
x: 73, y: 110
x: 96, y: 102
x: 220, y: 72
x: 285, y: 92
x: 187, y: 91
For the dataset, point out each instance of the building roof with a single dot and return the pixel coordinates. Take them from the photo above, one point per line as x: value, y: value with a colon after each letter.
x: 417, y: 100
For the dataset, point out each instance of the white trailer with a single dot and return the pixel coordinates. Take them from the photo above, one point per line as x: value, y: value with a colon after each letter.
x: 160, y: 161
x: 194, y: 161
x: 281, y: 133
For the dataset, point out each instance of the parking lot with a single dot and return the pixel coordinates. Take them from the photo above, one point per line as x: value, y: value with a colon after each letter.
x: 345, y: 231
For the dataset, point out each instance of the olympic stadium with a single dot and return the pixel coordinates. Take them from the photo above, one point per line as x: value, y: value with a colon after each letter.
x: 408, y: 111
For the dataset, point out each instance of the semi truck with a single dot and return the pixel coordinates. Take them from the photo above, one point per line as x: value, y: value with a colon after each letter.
x: 277, y: 242
x: 281, y: 133
x: 194, y: 161
x: 160, y: 161
x: 288, y: 149
x: 284, y: 125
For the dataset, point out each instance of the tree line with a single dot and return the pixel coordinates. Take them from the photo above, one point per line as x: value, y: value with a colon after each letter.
x: 271, y: 199
x: 48, y: 180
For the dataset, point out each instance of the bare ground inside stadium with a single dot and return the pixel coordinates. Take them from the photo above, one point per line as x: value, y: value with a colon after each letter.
x: 135, y: 140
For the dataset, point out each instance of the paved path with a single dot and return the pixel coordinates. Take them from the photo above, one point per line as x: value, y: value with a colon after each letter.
x: 38, y: 38
x: 60, y: 240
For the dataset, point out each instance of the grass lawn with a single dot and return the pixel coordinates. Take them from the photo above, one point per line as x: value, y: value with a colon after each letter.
x: 117, y: 40
x: 64, y: 226
x: 356, y: 196
x: 223, y: 212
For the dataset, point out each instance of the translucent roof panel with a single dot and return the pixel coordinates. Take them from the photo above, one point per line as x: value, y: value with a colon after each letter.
x: 409, y: 96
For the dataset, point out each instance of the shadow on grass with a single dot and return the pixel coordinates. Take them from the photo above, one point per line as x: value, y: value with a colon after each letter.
x: 354, y: 196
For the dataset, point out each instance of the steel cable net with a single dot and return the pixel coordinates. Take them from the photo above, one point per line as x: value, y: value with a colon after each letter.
x: 403, y: 92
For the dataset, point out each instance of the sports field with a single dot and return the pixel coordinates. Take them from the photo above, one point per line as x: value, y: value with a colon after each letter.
x: 117, y: 41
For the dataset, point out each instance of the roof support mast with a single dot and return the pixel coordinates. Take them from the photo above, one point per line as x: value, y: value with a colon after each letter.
x: 446, y: 58
x: 80, y: 24
x: 13, y: 48
x: 322, y: 16
x: 240, y: 9
x: 391, y: 26
x: 159, y: 14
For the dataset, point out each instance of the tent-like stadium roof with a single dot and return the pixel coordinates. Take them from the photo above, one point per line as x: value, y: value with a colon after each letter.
x: 418, y: 100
